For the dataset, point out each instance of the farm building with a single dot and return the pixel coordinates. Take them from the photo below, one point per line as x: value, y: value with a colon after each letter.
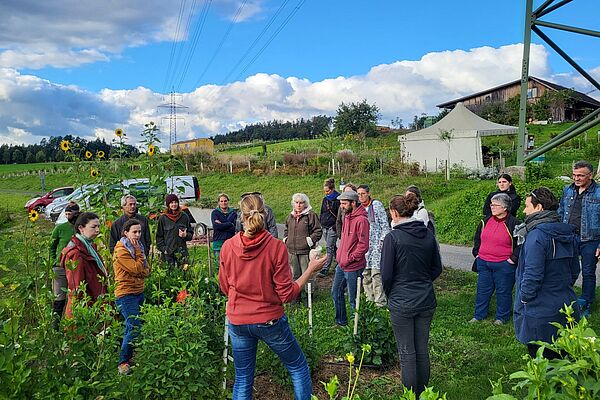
x: 579, y: 106
x: 193, y: 146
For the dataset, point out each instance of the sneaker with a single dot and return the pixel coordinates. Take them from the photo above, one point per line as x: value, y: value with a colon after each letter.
x: 124, y: 368
x: 582, y: 303
x: 498, y: 322
x: 474, y: 320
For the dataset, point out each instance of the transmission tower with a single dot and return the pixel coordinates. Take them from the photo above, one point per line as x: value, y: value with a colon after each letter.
x: 173, y: 107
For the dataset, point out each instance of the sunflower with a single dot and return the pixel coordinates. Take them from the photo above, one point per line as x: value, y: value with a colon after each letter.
x: 94, y: 172
x: 33, y: 215
x: 151, y: 150
x: 65, y: 145
x: 119, y: 132
x: 88, y: 154
x: 100, y: 154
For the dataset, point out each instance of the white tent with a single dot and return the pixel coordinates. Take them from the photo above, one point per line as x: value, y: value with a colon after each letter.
x: 456, y: 138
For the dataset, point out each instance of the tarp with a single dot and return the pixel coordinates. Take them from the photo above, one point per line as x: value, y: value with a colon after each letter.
x: 463, y: 130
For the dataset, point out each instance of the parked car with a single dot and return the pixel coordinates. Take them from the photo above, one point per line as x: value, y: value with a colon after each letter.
x: 54, y: 209
x: 39, y: 203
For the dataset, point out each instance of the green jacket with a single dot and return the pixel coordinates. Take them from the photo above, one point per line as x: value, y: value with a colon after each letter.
x: 61, y: 235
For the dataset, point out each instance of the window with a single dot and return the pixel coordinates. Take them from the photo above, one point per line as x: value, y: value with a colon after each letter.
x: 532, y: 93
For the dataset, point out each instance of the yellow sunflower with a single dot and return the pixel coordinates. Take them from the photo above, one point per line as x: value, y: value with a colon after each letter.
x: 33, y: 215
x: 88, y: 154
x: 151, y: 150
x: 94, y: 172
x: 100, y: 154
x: 65, y: 145
x: 119, y: 132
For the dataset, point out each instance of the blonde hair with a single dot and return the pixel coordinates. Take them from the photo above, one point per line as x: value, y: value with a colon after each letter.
x: 253, y: 215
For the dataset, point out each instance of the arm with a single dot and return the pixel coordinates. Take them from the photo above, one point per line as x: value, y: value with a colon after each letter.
x: 362, y: 227
x: 382, y: 221
x: 53, y: 245
x: 188, y: 229
x: 516, y: 204
x: 388, y: 260
x: 284, y: 286
x: 436, y: 268
x: 534, y: 264
x: 477, y: 239
x: 338, y: 223
x: 160, y: 236
x: 514, y: 258
x: 285, y: 230
x: 134, y: 266
x: 214, y: 217
x: 316, y: 230
x: 562, y: 204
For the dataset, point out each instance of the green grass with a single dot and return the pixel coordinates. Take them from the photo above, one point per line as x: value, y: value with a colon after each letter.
x: 48, y: 166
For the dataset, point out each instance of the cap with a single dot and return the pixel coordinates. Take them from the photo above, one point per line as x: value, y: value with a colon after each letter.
x: 350, y: 195
x: 171, y: 198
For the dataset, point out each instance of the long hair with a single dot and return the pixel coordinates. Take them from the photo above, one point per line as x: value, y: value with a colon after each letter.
x: 252, y: 208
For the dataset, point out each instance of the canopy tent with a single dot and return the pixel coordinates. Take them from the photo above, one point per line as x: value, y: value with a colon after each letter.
x: 456, y: 138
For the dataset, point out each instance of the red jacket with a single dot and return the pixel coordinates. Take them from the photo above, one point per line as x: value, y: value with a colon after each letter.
x: 86, y: 271
x: 354, y: 242
x: 256, y: 277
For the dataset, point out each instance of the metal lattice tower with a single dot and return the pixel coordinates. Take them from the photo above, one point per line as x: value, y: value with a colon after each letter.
x: 172, y: 106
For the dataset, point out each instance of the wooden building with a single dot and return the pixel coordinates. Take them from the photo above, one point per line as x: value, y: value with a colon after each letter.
x: 579, y: 106
x: 193, y: 146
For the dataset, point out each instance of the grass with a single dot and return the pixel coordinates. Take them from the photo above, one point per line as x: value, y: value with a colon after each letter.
x: 48, y: 166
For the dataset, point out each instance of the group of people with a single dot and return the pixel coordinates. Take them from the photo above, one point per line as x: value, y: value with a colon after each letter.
x: 543, y: 255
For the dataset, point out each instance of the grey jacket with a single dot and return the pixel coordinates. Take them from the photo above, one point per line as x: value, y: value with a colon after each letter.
x: 270, y: 223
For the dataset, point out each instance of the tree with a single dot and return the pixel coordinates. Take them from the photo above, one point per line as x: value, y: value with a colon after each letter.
x: 29, y: 157
x: 17, y: 156
x: 357, y: 118
x: 40, y: 156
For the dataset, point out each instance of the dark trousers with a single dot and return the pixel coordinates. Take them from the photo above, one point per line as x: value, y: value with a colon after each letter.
x: 548, y: 354
x: 412, y: 339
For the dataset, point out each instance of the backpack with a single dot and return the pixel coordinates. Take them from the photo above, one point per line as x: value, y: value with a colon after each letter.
x: 431, y: 222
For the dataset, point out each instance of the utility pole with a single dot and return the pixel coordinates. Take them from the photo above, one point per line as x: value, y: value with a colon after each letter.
x: 172, y: 106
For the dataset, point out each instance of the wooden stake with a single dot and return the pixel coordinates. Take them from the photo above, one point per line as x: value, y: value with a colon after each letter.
x: 225, y: 358
x: 358, y: 286
x: 310, y: 316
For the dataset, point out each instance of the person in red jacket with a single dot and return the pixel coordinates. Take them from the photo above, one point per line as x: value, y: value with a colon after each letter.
x: 256, y: 277
x: 82, y: 262
x: 350, y: 255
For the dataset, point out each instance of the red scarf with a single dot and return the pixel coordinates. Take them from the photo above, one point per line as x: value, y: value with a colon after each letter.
x: 173, y: 215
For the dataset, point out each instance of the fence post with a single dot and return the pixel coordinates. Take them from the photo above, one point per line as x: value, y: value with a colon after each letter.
x: 230, y: 167
x: 225, y: 357
x: 310, y: 316
x: 275, y: 165
x: 249, y: 169
x: 201, y: 166
x: 358, y: 286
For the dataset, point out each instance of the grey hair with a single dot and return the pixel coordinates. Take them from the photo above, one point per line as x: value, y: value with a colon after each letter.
x: 503, y: 199
x: 301, y: 196
x: 583, y: 164
x: 127, y: 197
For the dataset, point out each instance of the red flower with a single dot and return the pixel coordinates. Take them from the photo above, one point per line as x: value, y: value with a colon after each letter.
x: 181, y: 296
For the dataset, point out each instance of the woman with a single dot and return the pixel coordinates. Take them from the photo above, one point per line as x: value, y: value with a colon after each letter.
x: 82, y: 262
x: 131, y: 269
x: 495, y: 252
x: 301, y: 234
x: 223, y: 221
x: 421, y: 212
x: 410, y: 262
x: 256, y: 277
x: 506, y: 186
x: 547, y: 270
x: 173, y: 231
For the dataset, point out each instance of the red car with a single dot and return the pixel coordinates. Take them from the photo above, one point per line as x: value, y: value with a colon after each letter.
x: 40, y: 203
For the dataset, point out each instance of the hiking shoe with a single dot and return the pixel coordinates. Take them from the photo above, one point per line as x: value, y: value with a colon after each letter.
x: 124, y: 368
x: 474, y: 320
x: 498, y: 322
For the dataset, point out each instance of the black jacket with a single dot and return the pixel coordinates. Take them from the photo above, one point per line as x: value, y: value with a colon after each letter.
x: 510, y: 224
x: 329, y: 213
x: 168, y: 240
x: 410, y: 262
x: 117, y: 227
x: 514, y: 198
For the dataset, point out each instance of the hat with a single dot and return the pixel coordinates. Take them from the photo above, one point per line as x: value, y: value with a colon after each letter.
x: 171, y: 198
x: 72, y: 207
x: 350, y: 195
x: 249, y: 194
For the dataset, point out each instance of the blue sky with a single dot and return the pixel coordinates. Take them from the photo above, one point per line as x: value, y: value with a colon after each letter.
x: 86, y: 67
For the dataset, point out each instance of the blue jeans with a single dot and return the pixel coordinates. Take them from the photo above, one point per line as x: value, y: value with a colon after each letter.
x: 279, y: 337
x: 330, y: 238
x: 129, y: 306
x: 342, y: 280
x: 587, y: 250
x: 498, y: 276
x: 412, y: 339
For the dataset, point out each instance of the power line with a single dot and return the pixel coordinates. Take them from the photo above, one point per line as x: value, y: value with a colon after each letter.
x: 256, y: 40
x: 174, y: 44
x: 180, y: 49
x: 273, y: 36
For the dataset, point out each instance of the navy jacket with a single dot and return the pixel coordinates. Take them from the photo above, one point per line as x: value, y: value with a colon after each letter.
x: 329, y: 212
x: 410, y: 262
x: 547, y: 270
x: 226, y: 229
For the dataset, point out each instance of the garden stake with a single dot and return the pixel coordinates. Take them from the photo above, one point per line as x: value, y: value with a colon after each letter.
x: 226, y: 342
x: 310, y: 322
x: 358, y: 286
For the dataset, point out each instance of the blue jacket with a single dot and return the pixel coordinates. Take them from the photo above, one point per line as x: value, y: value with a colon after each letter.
x: 226, y: 229
x: 590, y: 210
x: 547, y: 270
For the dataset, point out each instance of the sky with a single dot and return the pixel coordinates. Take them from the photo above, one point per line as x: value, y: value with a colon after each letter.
x: 88, y: 67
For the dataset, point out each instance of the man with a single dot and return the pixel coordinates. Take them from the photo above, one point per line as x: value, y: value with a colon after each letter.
x: 61, y: 235
x: 350, y: 255
x: 329, y: 212
x: 580, y: 207
x: 379, y: 227
x: 129, y: 206
x: 270, y: 223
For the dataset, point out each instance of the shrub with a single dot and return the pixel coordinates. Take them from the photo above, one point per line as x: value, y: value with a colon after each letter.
x: 536, y: 172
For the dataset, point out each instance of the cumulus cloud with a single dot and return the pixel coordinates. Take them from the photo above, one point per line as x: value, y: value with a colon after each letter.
x: 33, y: 108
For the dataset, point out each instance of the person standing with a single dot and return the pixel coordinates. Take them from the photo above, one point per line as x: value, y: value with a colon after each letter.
x: 302, y: 232
x: 129, y: 206
x: 496, y: 254
x: 131, y: 269
x: 505, y: 185
x: 350, y: 255
x: 339, y: 221
x: 256, y: 277
x: 378, y: 228
x: 223, y: 221
x: 270, y: 222
x: 172, y: 233
x: 547, y: 270
x: 580, y: 207
x: 60, y: 237
x: 421, y: 212
x: 410, y: 262
x: 82, y: 263
x: 329, y: 211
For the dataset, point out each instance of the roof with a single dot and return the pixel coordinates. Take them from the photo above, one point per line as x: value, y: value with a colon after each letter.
x: 463, y: 122
x: 576, y: 95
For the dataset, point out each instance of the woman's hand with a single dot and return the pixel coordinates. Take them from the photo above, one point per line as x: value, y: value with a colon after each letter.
x: 316, y: 264
x: 135, y: 243
x: 511, y: 262
x: 182, y: 233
